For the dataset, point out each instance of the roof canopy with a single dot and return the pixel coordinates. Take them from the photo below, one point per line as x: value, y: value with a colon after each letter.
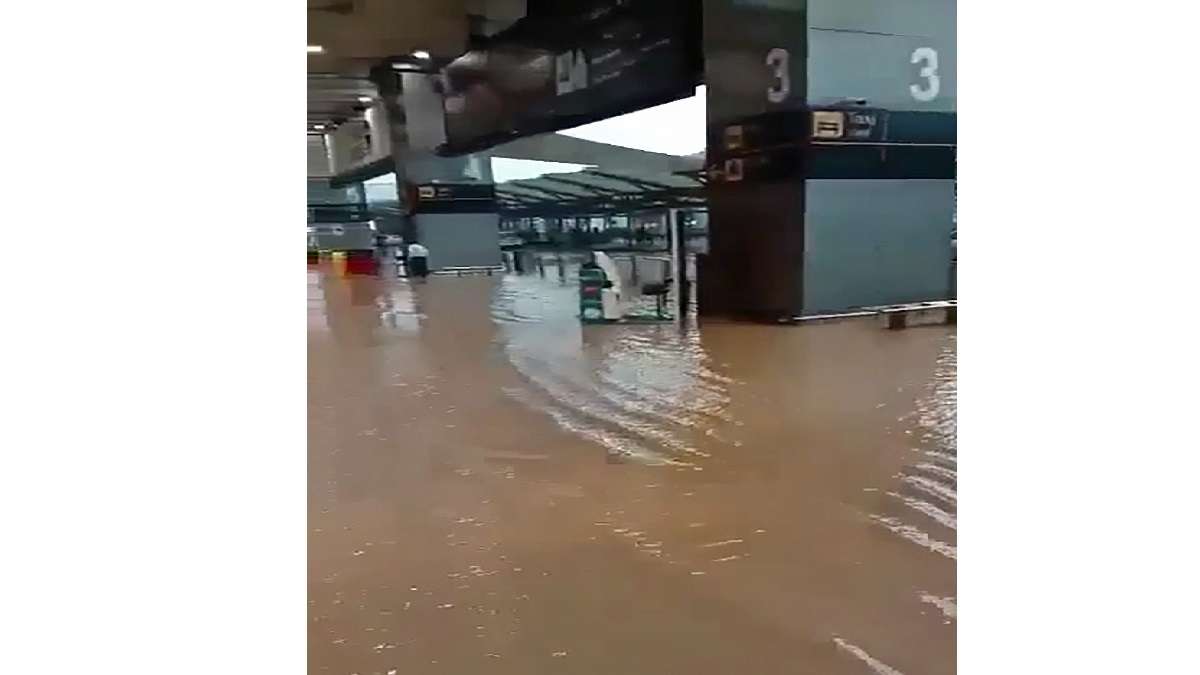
x: 597, y: 192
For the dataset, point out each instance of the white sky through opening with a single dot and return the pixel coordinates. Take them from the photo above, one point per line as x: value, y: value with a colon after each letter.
x: 675, y: 128
x: 505, y: 169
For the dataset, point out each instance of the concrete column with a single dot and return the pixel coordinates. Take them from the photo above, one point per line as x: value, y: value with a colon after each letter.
x: 879, y: 199
x: 381, y: 135
x: 755, y: 77
x: 387, y: 82
x: 423, y: 111
x: 448, y: 201
x: 460, y: 231
x: 337, y: 147
x: 346, y: 146
x: 318, y: 156
x: 830, y: 155
x: 679, y: 274
x: 413, y: 144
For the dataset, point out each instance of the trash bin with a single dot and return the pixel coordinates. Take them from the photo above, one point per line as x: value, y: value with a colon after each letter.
x: 591, y: 293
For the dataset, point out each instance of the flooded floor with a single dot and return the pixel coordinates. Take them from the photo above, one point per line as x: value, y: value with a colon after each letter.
x: 494, y: 488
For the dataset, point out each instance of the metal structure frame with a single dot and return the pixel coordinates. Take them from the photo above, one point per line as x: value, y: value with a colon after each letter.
x: 597, y: 193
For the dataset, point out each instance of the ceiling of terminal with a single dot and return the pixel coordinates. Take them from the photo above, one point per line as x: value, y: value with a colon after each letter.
x: 346, y: 38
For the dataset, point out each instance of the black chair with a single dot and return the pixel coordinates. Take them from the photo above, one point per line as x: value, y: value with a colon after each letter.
x: 660, y: 292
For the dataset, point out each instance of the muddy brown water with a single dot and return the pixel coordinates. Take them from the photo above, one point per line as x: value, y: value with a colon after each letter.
x: 494, y: 488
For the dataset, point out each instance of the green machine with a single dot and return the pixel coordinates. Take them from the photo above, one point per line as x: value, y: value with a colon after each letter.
x: 592, y: 281
x: 600, y: 292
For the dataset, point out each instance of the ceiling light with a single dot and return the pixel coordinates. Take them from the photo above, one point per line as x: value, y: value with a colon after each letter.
x: 365, y: 99
x: 316, y: 49
x: 319, y: 127
x: 420, y: 54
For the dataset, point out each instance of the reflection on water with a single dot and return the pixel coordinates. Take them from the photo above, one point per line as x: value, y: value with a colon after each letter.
x: 346, y: 306
x: 494, y: 486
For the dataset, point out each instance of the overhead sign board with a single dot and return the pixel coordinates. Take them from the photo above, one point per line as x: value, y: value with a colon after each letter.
x: 454, y: 198
x: 547, y: 73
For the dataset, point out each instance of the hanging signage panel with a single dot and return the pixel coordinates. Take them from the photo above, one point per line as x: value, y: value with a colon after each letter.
x: 542, y: 75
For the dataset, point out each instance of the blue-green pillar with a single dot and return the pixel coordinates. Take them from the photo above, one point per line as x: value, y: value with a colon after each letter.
x: 831, y: 154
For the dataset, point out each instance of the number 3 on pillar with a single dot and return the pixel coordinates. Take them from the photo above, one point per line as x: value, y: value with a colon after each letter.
x: 781, y: 87
x: 927, y: 90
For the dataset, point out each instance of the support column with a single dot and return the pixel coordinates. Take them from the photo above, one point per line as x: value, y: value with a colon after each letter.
x: 831, y: 155
x: 337, y: 149
x: 345, y: 146
x: 381, y: 134
x: 450, y: 201
x: 387, y: 82
x: 318, y: 156
x: 880, y: 160
x: 756, y: 78
x: 677, y: 236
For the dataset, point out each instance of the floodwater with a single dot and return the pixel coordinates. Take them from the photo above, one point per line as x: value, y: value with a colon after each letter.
x: 494, y: 488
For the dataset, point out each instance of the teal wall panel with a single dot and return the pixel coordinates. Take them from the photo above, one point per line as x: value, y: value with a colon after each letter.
x: 876, y: 242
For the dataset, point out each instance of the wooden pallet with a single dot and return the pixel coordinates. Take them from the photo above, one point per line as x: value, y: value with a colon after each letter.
x: 896, y: 317
x: 941, y: 313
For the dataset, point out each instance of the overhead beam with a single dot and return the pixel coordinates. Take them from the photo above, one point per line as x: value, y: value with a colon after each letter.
x: 581, y: 209
x: 594, y: 189
x: 636, y: 182
x: 569, y: 150
x: 546, y: 191
x: 519, y: 198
